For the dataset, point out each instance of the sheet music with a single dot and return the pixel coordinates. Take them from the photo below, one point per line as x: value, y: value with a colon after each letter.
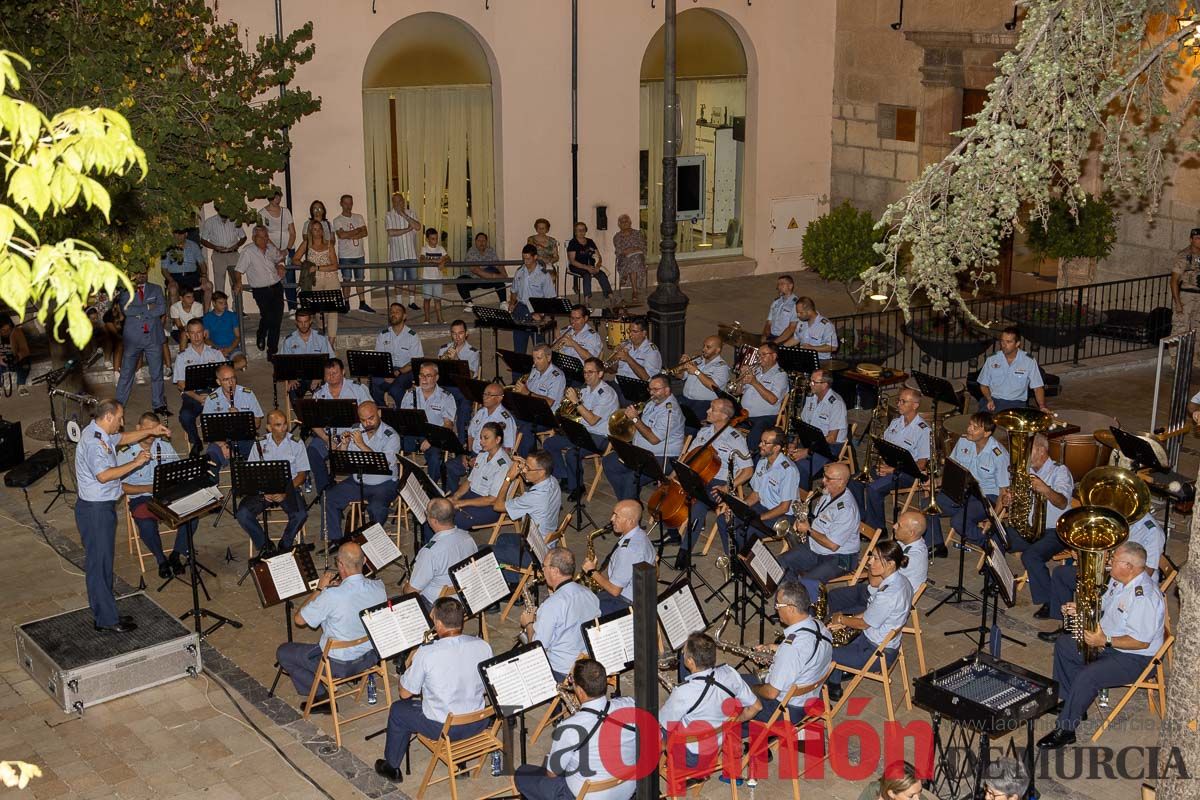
x: 379, y: 547
x: 612, y: 643
x: 523, y: 681
x: 396, y: 628
x: 1000, y: 566
x: 195, y: 501
x: 680, y: 616
x: 537, y: 543
x: 285, y: 574
x: 413, y: 491
x: 764, y: 563
x: 482, y: 582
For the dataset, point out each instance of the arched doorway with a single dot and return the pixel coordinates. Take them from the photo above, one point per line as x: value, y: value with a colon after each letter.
x: 711, y: 71
x: 427, y: 108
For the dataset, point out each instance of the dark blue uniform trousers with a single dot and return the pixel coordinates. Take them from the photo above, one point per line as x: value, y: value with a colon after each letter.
x: 802, y: 562
x: 609, y: 604
x: 97, y: 523
x: 405, y: 719
x: 534, y: 784
x: 872, y: 496
x: 252, y: 507
x: 1078, y: 684
x: 849, y: 599
x: 300, y: 659
x: 189, y: 412
x: 856, y: 654
x: 566, y: 457
x: 952, y: 510
x: 379, y: 498
x: 624, y: 481
x: 382, y: 388
x: 148, y: 532
x: 812, y: 465
x: 1036, y: 559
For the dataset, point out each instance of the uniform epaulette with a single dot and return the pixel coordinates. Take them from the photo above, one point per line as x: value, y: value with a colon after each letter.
x: 411, y: 332
x: 996, y: 451
x: 388, y: 432
x: 624, y: 543
x: 384, y: 331
x: 213, y: 395
x: 786, y: 463
x: 921, y: 424
x: 1149, y: 522
x: 1137, y: 592
x: 97, y: 434
x: 653, y: 346
x: 554, y: 371
x: 791, y: 637
x: 841, y: 504
x: 246, y: 389
x: 505, y: 414
x: 500, y: 461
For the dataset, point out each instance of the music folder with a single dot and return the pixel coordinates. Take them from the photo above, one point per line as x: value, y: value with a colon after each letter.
x: 396, y: 626
x: 518, y: 680
x: 998, y: 566
x: 479, y: 581
x: 416, y: 488
x: 284, y: 576
x: 378, y: 548
x: 680, y: 613
x: 762, y: 566
x: 609, y: 640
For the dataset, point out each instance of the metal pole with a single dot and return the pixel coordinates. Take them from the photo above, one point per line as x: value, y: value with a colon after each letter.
x: 574, y: 113
x: 645, y: 666
x: 287, y: 155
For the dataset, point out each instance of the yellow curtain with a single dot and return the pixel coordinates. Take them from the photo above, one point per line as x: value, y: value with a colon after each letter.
x: 377, y: 143
x: 480, y: 157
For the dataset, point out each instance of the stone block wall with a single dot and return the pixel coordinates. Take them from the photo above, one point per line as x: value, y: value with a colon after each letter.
x: 867, y: 170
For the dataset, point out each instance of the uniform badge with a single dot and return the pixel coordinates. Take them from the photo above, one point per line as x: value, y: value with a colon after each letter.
x: 1137, y: 592
x: 500, y: 461
x: 996, y: 451
x: 841, y: 504
x: 388, y: 432
x: 787, y: 462
x: 624, y: 543
x: 921, y: 424
x: 791, y: 637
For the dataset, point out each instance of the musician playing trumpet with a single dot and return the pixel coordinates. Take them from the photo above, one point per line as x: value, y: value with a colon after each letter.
x: 459, y: 348
x: 773, y: 486
x: 595, y: 404
x: 703, y: 376
x: 578, y: 338
x: 908, y: 431
x: 825, y: 410
x: 545, y: 382
x: 557, y: 622
x: 764, y: 388
x: 800, y: 659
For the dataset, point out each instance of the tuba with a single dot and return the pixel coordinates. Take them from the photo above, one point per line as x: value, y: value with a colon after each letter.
x: 590, y: 554
x: 1022, y: 425
x: 622, y: 427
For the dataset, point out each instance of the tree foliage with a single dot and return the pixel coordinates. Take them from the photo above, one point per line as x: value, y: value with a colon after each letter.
x: 840, y: 244
x: 201, y: 101
x: 1087, y: 231
x: 48, y: 164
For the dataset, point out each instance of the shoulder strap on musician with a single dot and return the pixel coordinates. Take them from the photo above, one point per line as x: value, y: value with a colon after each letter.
x: 709, y: 682
x: 601, y: 716
x: 818, y: 637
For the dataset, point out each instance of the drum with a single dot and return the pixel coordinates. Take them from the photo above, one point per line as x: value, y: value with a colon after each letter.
x: 1118, y: 459
x: 1080, y: 452
x: 615, y: 332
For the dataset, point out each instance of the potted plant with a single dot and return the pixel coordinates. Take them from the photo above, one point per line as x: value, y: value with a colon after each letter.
x: 1052, y: 324
x: 947, y: 337
x: 1076, y: 239
x: 840, y: 245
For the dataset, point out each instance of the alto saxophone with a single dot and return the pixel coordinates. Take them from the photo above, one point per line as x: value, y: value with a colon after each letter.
x: 667, y: 682
x: 530, y: 607
x: 590, y: 554
x: 566, y: 694
x: 843, y: 635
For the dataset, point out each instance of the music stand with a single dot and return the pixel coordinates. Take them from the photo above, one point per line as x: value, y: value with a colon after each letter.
x: 450, y: 371
x: 641, y: 462
x: 404, y: 421
x: 327, y: 414
x: 320, y: 301
x: 581, y: 440
x: 798, y: 360
x: 268, y: 591
x: 742, y: 599
x: 369, y: 364
x: 551, y: 306
x: 998, y: 582
x: 1138, y: 451
x: 959, y: 485
x: 304, y: 368
x: 517, y: 363
x: 633, y: 390
x: 228, y: 428
x: 528, y: 408
x: 901, y: 461
x: 495, y: 319
x: 259, y: 477
x: 697, y: 492
x: 201, y: 378
x: 471, y: 388
x: 528, y: 666
x: 356, y: 464
x: 571, y: 366
x: 813, y: 439
x: 690, y: 420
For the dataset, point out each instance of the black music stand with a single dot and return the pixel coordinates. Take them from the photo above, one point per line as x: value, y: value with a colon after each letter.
x: 1161, y: 478
x: 304, y: 368
x: 356, y: 464
x: 303, y: 555
x: 551, y: 306
x: 326, y: 415
x: 228, y: 428
x: 749, y: 520
x: 691, y: 422
x: 171, y: 481
x: 527, y: 408
x: 633, y: 390
x: 995, y: 587
x: 510, y: 713
x: 320, y: 301
x: 404, y: 421
x: 495, y: 319
x: 259, y: 477
x: 960, y: 486
x: 571, y: 366
x: 201, y: 378
x: 798, y: 360
x: 450, y: 371
x: 901, y: 461
x: 642, y: 463
x: 369, y: 364
x: 581, y: 440
x: 697, y: 491
x: 518, y: 363
x: 812, y: 438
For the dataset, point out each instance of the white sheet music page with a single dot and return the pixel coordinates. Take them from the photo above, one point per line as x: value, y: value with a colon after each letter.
x: 764, y: 562
x: 1000, y: 567
x: 379, y: 547
x: 680, y: 616
x: 415, y: 497
x: 612, y: 643
x: 195, y: 501
x: 285, y: 574
x: 523, y: 681
x: 537, y: 543
x: 396, y: 629
x: 482, y: 582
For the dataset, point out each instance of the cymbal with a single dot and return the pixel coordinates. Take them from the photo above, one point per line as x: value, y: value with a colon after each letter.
x: 738, y: 336
x: 1105, y: 437
x: 835, y: 365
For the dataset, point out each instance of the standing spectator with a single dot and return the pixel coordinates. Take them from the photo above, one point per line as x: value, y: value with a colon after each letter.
x: 261, y: 266
x: 183, y: 312
x: 350, y: 230
x: 434, y: 257
x: 223, y: 237
x: 221, y: 326
x: 14, y: 353
x: 630, y: 246
x: 403, y: 230
x: 144, y: 308
x: 282, y: 232
x: 182, y: 264
x: 320, y: 253
x: 583, y: 258
x: 317, y: 213
x: 485, y: 254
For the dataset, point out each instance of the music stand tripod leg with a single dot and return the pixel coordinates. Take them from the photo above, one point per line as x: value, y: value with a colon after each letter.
x: 198, y: 612
x: 287, y: 618
x: 580, y: 511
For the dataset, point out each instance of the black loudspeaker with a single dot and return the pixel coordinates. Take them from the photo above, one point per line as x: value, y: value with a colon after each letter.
x: 36, y: 466
x: 12, y: 444
x: 601, y: 218
x: 739, y: 129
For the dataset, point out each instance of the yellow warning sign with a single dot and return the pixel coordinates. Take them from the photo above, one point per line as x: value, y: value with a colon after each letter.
x: 793, y: 224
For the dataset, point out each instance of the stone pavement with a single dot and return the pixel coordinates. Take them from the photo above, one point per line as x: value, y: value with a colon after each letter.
x: 185, y: 739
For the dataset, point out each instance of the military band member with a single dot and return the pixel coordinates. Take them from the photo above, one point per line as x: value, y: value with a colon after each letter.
x: 439, y: 408
x: 887, y: 610
x: 575, y: 750
x: 545, y: 382
x: 825, y: 410
x: 1052, y: 484
x: 492, y: 410
x: 448, y: 546
x: 1133, y: 612
x: 638, y: 357
x: 138, y: 486
x: 477, y: 492
x: 782, y: 320
x: 815, y: 332
x: 1185, y: 288
x: 336, y: 387
x: 910, y: 531
x: 658, y: 429
x: 800, y: 659
x: 532, y: 279
x: 633, y: 547
x: 404, y: 344
x: 595, y: 404
x: 98, y: 479
x: 231, y: 397
x: 558, y: 622
x: 1008, y: 376
x: 980, y: 454
x: 304, y: 340
x: 832, y: 546
x: 445, y: 673
x: 371, y: 435
x: 192, y: 404
x: 913, y: 434
x: 277, y: 445
x: 581, y: 340
x: 541, y: 502
x: 764, y: 388
x: 703, y: 376
x: 459, y: 348
x: 773, y: 487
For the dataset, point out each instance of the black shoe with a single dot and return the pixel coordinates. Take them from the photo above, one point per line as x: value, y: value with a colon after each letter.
x: 120, y: 627
x: 1055, y: 739
x: 940, y: 551
x: 176, y: 562
x: 386, y: 770
x: 1049, y: 636
x: 267, y: 550
x: 164, y: 571
x: 163, y: 411
x: 414, y: 306
x: 365, y: 308
x: 672, y: 538
x: 682, y: 559
x: 196, y: 451
x: 128, y: 620
x: 1042, y: 613
x: 835, y: 691
x: 260, y: 342
x: 324, y: 708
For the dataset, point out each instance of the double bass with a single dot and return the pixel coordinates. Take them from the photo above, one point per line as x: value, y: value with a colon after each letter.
x: 669, y: 502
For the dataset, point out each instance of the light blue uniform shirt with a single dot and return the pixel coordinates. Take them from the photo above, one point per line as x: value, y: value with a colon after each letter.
x: 701, y: 698
x: 912, y: 436
x: 730, y: 442
x: 1010, y: 381
x: 445, y: 673
x: 404, y: 346
x: 191, y: 258
x: 601, y: 401
x: 1060, y: 479
x: 887, y: 608
x: 647, y: 357
x: 776, y: 482
x: 801, y: 658
x: 527, y: 285
x: 349, y: 391
x: 289, y: 450
x: 1135, y: 609
x: 558, y: 623
x: 188, y: 357
x: 97, y: 451
x: 665, y: 421
x: 487, y: 476
x: 1147, y: 532
x: 315, y: 344
x: 989, y: 467
x: 587, y: 338
x: 568, y: 750
x: 243, y: 400
x: 633, y: 548
x: 917, y: 570
x: 336, y: 612
x: 160, y: 452
x: 775, y: 381
x: 468, y: 354
x: 431, y: 571
x: 439, y: 407
x: 838, y: 519
x: 716, y: 369
x: 498, y: 414
x: 551, y: 383
x: 382, y: 440
x: 782, y: 313
x: 818, y: 331
x: 828, y: 414
x: 541, y: 502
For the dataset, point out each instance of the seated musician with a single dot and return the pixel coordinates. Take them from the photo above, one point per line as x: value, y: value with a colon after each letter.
x: 634, y: 547
x: 335, y: 387
x: 1133, y: 613
x: 908, y: 431
x: 532, y: 279
x: 815, y: 332
x: 773, y: 487
x: 1193, y: 408
x: 445, y: 673
x: 1007, y: 376
x: 541, y: 502
x: 782, y: 320
x: 594, y: 404
x: 477, y: 492
x: 1052, y: 484
x: 658, y: 429
x: 801, y: 658
x: 447, y: 546
x: 909, y: 532
x: 581, y: 749
x: 404, y: 344
x: 439, y: 408
x: 579, y: 338
x: 334, y: 607
x: 492, y: 410
x: 459, y: 348
x: 192, y: 403
x: 729, y: 443
x: 371, y: 435
x: 831, y: 548
x: 557, y: 622
x: 826, y: 410
x: 304, y: 341
x: 138, y: 486
x: 637, y: 357
x: 277, y: 445
x: 545, y: 382
x: 887, y: 610
x: 703, y: 376
x: 979, y: 453
x: 764, y: 388
x: 231, y: 397
x: 703, y: 695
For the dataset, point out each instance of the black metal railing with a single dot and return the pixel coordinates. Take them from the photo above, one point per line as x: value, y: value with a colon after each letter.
x: 1058, y: 326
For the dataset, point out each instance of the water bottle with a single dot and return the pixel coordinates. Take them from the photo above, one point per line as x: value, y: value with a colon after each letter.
x: 372, y: 695
x: 497, y: 763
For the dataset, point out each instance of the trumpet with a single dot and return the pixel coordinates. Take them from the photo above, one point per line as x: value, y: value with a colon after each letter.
x: 519, y: 386
x: 451, y: 354
x: 737, y: 383
x: 613, y: 360
x: 681, y: 369
x: 569, y: 333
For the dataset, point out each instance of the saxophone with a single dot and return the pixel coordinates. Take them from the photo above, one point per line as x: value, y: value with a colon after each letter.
x: 667, y: 682
x: 566, y: 694
x: 843, y: 635
x: 1022, y: 425
x: 530, y: 607
x: 590, y: 554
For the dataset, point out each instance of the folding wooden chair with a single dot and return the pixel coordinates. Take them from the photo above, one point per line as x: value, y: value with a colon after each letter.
x: 762, y: 740
x: 876, y: 669
x: 598, y: 460
x: 526, y: 572
x: 676, y: 774
x: 324, y: 678
x: 455, y: 754
x: 913, y: 628
x: 1156, y: 688
x: 135, y: 541
x: 598, y: 786
x: 851, y: 578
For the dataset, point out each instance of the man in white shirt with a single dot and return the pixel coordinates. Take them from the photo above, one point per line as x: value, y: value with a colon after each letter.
x: 815, y: 332
x: 260, y: 266
x: 1008, y: 376
x: 581, y: 340
x: 336, y: 387
x: 448, y: 546
x: 764, y: 388
x: 439, y: 409
x: 541, y: 502
x: 557, y: 622
x: 595, y: 404
x: 459, y: 348
x: 545, y: 382
x: 634, y: 547
x: 703, y: 376
x: 371, y: 435
x: 832, y: 546
x: 183, y: 311
x: 404, y: 235
x: 782, y: 320
x: 825, y: 410
x: 638, y: 357
x: 532, y: 279
x: 404, y: 345
x: 277, y: 445
x: 192, y: 405
x: 223, y: 237
x: 658, y: 429
x: 800, y: 659
x: 351, y: 232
